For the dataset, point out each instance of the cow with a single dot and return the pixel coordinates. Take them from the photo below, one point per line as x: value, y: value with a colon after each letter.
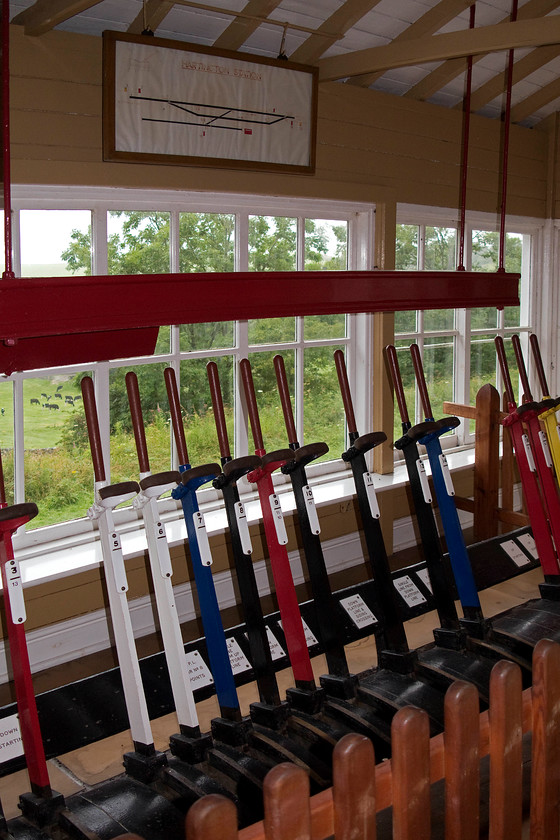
x: 58, y: 396
x: 33, y: 401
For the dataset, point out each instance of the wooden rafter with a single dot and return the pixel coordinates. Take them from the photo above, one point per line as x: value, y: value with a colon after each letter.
x: 332, y: 29
x: 430, y: 22
x: 447, y: 72
x: 241, y: 28
x: 521, y: 69
x: 46, y: 14
x: 537, y: 100
x: 502, y: 36
x: 150, y: 16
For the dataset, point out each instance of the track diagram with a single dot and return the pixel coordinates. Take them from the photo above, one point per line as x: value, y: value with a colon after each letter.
x: 214, y: 115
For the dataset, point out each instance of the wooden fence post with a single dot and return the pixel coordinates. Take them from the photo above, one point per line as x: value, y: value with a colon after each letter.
x: 462, y: 767
x: 354, y: 788
x: 410, y: 737
x: 506, y: 770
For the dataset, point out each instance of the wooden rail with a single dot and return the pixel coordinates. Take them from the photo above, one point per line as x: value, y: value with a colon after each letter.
x: 484, y: 506
x: 348, y: 810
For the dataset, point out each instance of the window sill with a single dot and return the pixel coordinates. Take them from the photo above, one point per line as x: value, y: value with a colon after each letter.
x: 70, y: 555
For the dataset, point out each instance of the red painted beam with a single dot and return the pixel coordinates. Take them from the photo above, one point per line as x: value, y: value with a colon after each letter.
x: 33, y: 308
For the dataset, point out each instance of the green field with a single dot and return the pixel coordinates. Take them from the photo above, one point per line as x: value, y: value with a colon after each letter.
x: 42, y: 426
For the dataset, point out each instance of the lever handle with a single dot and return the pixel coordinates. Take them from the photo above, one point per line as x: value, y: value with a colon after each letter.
x: 135, y: 406
x: 502, y: 360
x: 218, y: 406
x: 284, y: 392
x: 539, y: 364
x: 421, y: 380
x: 176, y: 417
x: 527, y: 396
x: 345, y: 391
x: 252, y: 408
x: 394, y: 369
x: 92, y: 422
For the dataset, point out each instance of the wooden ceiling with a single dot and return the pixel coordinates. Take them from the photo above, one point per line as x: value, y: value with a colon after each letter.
x: 411, y: 48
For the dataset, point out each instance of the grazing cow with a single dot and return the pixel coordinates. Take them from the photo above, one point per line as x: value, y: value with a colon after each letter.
x: 69, y: 399
x: 59, y: 387
x: 44, y: 395
x: 77, y: 397
x: 58, y: 396
x: 54, y: 405
x: 33, y: 401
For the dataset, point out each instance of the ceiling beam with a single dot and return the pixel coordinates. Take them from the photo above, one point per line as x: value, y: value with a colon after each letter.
x: 521, y: 69
x: 537, y: 100
x: 427, y: 24
x: 241, y: 28
x: 449, y: 70
x: 487, y: 39
x: 150, y: 16
x: 44, y: 15
x: 332, y: 29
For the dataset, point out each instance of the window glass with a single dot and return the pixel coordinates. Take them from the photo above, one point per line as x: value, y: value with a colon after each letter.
x: 438, y: 372
x: 206, y: 242
x: 196, y: 404
x: 138, y: 242
x: 55, y: 242
x: 323, y: 409
x: 326, y: 249
x: 268, y: 401
x: 272, y: 247
x: 57, y: 461
x: 515, y: 244
x: 153, y: 399
x: 7, y: 438
x: 406, y: 248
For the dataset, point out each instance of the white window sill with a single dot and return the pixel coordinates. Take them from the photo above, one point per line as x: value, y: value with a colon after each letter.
x: 70, y: 555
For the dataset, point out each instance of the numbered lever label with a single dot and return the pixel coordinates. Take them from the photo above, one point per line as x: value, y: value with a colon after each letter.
x: 202, y: 539
x: 371, y: 495
x: 311, y: 509
x: 424, y: 482
x: 15, y: 592
x: 447, y: 480
x: 278, y: 519
x: 164, y: 557
x: 119, y: 571
x: 545, y: 449
x: 529, y: 453
x: 243, y: 528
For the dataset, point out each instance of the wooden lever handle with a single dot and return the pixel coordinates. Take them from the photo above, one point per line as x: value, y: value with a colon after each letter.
x: 176, y: 417
x: 284, y: 392
x: 539, y: 364
x: 527, y: 396
x: 252, y: 408
x: 345, y: 391
x: 394, y: 369
x: 218, y: 406
x: 502, y: 360
x: 421, y: 380
x: 92, y: 421
x: 135, y: 406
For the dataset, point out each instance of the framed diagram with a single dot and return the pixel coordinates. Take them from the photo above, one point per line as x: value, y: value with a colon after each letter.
x: 177, y: 103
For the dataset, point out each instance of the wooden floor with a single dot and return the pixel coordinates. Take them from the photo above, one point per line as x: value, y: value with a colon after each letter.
x: 102, y: 760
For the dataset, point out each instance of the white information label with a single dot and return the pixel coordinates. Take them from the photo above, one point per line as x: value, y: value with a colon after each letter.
x: 311, y: 509
x: 202, y: 539
x: 529, y: 453
x: 515, y: 553
x: 278, y: 519
x: 528, y: 542
x: 408, y: 590
x: 358, y: 611
x: 309, y: 637
x: 424, y: 576
x: 545, y: 449
x: 164, y: 558
x: 198, y: 671
x: 237, y: 658
x: 119, y: 571
x: 424, y: 482
x: 372, y: 498
x: 11, y: 745
x: 15, y: 592
x: 243, y: 527
x: 276, y: 649
x: 448, y: 481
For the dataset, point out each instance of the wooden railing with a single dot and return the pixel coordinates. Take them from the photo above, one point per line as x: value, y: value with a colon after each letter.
x: 361, y: 788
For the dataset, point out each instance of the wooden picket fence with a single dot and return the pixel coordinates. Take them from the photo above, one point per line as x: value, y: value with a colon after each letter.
x: 361, y: 789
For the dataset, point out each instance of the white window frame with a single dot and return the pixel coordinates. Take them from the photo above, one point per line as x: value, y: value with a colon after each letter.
x: 531, y: 298
x: 99, y: 201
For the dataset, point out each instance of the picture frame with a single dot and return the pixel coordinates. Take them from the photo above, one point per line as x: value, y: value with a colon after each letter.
x: 170, y: 102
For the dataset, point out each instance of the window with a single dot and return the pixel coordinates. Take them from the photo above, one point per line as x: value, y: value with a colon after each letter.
x: 43, y: 436
x: 458, y: 346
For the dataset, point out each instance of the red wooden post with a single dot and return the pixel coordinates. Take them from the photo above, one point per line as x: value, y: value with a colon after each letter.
x: 410, y: 737
x: 462, y: 776
x: 506, y: 731
x: 354, y: 788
